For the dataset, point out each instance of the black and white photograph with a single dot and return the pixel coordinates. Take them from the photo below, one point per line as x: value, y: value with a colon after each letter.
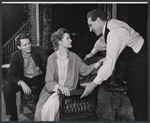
x: 74, y: 61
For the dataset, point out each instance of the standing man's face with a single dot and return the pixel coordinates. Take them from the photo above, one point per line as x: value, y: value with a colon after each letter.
x: 95, y: 26
x: 25, y: 46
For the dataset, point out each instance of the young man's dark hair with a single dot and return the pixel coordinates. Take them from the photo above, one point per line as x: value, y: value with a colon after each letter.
x: 21, y: 36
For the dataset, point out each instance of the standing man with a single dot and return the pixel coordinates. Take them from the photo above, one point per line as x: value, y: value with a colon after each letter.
x: 26, y: 70
x: 124, y: 42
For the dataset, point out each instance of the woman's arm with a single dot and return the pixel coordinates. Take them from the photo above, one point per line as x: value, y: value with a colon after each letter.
x: 85, y: 69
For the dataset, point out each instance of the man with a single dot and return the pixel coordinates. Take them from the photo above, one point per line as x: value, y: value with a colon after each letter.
x: 124, y: 42
x: 26, y: 70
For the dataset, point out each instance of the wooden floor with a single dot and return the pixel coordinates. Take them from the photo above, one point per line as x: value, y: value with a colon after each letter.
x: 104, y: 111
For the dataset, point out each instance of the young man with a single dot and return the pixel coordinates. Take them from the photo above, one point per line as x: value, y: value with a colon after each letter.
x: 26, y: 70
x: 124, y: 42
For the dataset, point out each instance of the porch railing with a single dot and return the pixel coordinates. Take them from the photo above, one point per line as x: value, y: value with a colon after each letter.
x: 9, y: 47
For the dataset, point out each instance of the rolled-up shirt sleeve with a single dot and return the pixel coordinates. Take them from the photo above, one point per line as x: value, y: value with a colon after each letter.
x: 115, y: 44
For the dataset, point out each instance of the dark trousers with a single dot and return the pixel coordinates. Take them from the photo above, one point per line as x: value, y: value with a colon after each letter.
x: 137, y: 83
x: 10, y: 89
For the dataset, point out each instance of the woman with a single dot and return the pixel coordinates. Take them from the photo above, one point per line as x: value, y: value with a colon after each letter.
x: 63, y: 69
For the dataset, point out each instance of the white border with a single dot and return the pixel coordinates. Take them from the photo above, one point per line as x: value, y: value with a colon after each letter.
x: 75, y: 2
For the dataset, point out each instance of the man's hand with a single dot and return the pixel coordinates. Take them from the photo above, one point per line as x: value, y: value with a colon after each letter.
x: 64, y: 90
x: 89, y: 87
x: 99, y: 63
x: 88, y: 56
x: 26, y: 89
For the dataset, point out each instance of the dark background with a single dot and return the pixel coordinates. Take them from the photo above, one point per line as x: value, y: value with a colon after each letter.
x: 15, y: 15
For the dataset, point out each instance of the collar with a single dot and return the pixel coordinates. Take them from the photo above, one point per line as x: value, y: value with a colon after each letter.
x: 26, y: 55
x: 104, y: 28
x: 64, y: 56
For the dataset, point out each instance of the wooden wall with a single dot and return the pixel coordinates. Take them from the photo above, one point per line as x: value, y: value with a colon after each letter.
x: 32, y: 17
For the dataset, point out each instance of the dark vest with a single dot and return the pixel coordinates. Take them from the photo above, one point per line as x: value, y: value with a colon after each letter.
x: 127, y: 54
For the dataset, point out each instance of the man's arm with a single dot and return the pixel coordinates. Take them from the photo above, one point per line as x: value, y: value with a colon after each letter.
x: 13, y: 70
x: 98, y: 46
x: 115, y: 45
x: 13, y: 77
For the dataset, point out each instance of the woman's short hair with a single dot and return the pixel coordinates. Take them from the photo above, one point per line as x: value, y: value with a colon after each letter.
x: 57, y: 36
x: 21, y: 36
x: 94, y: 14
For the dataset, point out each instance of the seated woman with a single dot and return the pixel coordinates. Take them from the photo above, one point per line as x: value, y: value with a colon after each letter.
x: 63, y: 69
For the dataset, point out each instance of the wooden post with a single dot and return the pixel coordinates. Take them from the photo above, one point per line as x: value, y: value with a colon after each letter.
x: 114, y: 11
x: 37, y: 25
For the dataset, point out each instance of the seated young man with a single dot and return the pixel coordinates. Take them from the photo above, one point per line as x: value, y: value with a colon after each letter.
x: 26, y: 70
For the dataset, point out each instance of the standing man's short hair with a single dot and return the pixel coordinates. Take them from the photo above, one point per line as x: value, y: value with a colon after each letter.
x: 94, y: 14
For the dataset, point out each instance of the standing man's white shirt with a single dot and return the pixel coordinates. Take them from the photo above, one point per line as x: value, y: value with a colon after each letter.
x: 120, y: 36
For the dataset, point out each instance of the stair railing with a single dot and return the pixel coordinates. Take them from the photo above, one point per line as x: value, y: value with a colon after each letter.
x: 9, y: 47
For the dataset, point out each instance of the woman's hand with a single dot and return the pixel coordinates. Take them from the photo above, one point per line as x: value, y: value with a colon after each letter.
x: 88, y: 56
x: 64, y: 90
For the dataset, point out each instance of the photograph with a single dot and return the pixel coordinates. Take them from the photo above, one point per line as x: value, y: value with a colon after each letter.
x: 74, y: 61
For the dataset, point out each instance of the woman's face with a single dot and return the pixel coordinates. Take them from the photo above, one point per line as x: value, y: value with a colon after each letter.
x: 66, y: 41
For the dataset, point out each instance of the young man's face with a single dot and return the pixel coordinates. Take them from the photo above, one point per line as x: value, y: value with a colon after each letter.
x: 95, y: 26
x: 25, y: 45
x: 66, y: 41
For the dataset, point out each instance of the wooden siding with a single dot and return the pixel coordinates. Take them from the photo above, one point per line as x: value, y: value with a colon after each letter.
x: 45, y: 27
x: 32, y: 14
